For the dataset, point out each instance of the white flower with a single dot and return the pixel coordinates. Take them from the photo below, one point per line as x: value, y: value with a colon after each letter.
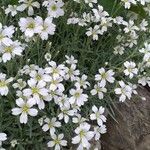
x: 54, y: 70
x: 143, y: 1
x: 78, y: 1
x: 48, y: 56
x: 132, y: 40
x: 25, y: 109
x: 99, y: 13
x: 83, y: 136
x: 57, y: 141
x: 40, y: 75
x: 29, y: 26
x: 124, y: 91
x: 12, y: 9
x: 54, y: 95
x: 41, y: 121
x: 28, y: 4
x: 87, y: 17
x: 78, y: 97
x: 65, y: 113
x: 51, y: 125
x: 119, y: 50
x: 82, y: 22
x: 37, y: 90
x: 81, y: 82
x: 71, y: 73
x: 127, y: 3
x: 27, y: 69
x: 73, y: 20
x: 70, y: 60
x: 62, y: 101
x: 55, y: 9
x: 90, y: 2
x: 9, y: 52
x: 145, y: 51
x: 133, y: 87
x: 55, y: 84
x: 98, y: 89
x: 130, y: 27
x: 4, y: 84
x: 20, y: 84
x: 93, y: 32
x: 143, y: 25
x: 3, y: 137
x: 5, y: 34
x: 13, y: 143
x: 130, y: 69
x: 105, y: 23
x: 48, y: 28
x: 98, y: 115
x: 98, y: 131
x: 19, y: 94
x: 144, y: 80
x: 79, y: 119
x: 104, y: 76
x: 118, y: 20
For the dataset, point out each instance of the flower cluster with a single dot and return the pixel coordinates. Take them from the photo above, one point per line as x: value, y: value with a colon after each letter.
x: 32, y: 26
x: 46, y: 85
x: 9, y: 48
x: 127, y: 3
x: 98, y: 16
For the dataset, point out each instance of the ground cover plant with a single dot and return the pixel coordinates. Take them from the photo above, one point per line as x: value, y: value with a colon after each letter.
x: 63, y: 66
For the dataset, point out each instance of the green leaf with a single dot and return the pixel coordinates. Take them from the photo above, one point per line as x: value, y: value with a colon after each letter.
x: 113, y: 7
x: 138, y: 9
x: 13, y: 2
x: 107, y: 4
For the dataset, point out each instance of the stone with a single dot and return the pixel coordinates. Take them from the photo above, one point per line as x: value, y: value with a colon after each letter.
x: 131, y: 130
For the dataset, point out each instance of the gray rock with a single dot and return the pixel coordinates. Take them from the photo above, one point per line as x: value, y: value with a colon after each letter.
x: 132, y: 129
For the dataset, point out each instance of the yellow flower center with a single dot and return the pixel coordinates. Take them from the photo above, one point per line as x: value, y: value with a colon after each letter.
x: 31, y: 25
x: 70, y: 72
x: 55, y: 70
x: 65, y: 111
x: 130, y: 69
x: 104, y: 75
x: 38, y: 77
x: 82, y: 134
x: 77, y: 95
x: 50, y: 125
x: 29, y: 3
x: 57, y: 141
x: 25, y: 108
x: 97, y: 114
x: 35, y: 90
x: 2, y: 83
x: 54, y: 7
x: 45, y: 27
x: 8, y: 49
x: 98, y: 89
